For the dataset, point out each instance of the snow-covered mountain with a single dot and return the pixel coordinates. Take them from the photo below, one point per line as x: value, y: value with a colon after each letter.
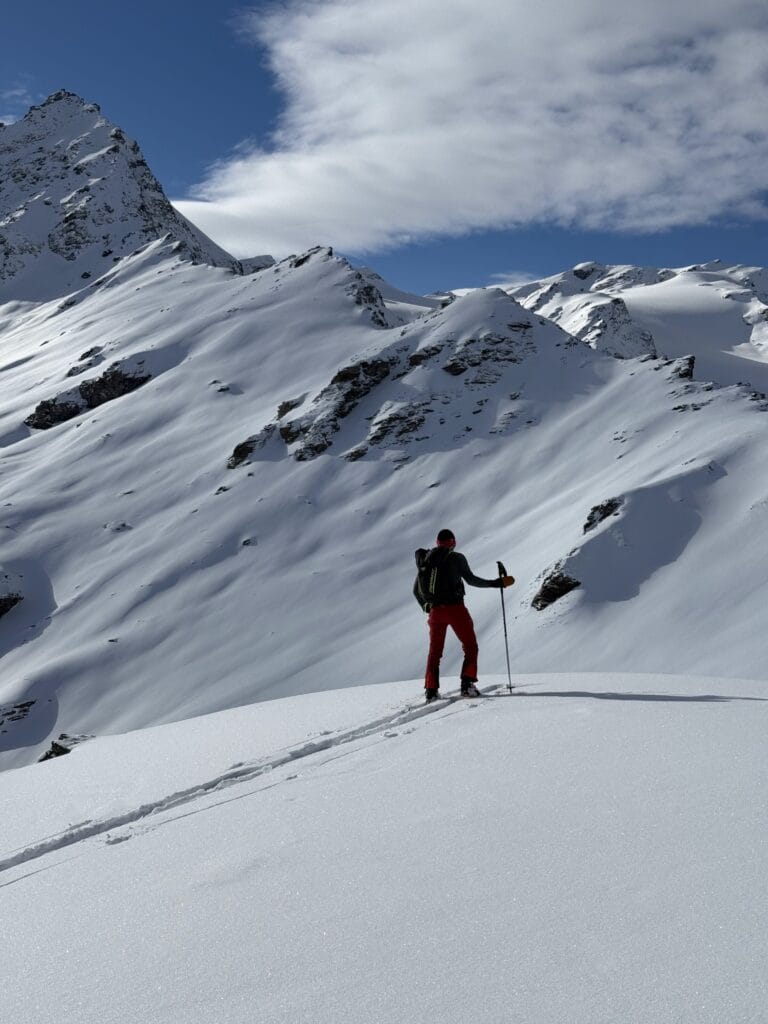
x: 717, y: 313
x: 213, y: 482
x: 75, y: 196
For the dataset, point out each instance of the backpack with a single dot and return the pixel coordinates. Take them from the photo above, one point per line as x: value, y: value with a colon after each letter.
x: 433, y: 584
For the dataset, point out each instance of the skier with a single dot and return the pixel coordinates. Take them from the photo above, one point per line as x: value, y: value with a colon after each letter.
x: 440, y: 592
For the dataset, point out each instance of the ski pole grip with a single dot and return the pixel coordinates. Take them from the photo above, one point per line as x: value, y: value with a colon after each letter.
x: 502, y: 570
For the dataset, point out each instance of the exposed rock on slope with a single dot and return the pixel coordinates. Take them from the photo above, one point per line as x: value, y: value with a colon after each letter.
x: 582, y: 304
x: 10, y: 591
x: 65, y: 744
x: 113, y: 383
x: 604, y: 323
x: 556, y: 584
x: 598, y: 513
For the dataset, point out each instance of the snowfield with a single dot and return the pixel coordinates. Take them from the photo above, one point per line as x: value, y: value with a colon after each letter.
x: 590, y: 849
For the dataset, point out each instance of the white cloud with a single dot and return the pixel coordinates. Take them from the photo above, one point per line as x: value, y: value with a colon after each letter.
x: 512, y: 279
x: 406, y: 120
x: 16, y: 99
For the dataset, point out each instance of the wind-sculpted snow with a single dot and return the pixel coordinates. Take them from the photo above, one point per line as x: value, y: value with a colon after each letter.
x: 631, y: 538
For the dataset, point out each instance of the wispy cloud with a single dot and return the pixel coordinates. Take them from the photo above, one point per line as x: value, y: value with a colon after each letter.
x: 405, y: 120
x: 16, y: 99
x: 512, y: 279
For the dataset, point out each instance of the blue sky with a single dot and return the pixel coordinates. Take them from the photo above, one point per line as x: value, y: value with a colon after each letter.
x: 447, y: 143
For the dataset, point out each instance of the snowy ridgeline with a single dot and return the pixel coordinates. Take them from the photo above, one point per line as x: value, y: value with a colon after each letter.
x: 590, y: 849
x: 215, y: 475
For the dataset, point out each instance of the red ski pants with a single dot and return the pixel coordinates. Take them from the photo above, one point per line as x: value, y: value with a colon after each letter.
x: 458, y: 618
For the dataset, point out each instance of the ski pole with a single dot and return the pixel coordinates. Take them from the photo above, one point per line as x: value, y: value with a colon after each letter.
x: 502, y: 574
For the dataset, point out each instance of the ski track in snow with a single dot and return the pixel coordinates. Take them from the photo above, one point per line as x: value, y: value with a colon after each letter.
x: 236, y: 775
x: 385, y: 727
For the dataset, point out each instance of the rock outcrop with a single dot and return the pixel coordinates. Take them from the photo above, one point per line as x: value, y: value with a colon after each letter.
x: 65, y: 744
x: 113, y: 383
x: 10, y: 591
x: 556, y: 585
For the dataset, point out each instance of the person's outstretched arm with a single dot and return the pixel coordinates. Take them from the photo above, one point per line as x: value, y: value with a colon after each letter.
x: 477, y: 581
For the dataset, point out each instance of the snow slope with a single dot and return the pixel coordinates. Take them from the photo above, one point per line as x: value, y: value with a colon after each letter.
x: 588, y: 850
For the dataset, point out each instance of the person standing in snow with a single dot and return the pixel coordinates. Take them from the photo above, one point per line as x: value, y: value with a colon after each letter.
x: 439, y: 589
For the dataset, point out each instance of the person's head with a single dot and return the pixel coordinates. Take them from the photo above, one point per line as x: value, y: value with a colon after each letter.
x: 446, y: 539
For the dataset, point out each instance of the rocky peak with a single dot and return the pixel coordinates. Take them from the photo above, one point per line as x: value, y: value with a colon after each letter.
x: 76, y: 194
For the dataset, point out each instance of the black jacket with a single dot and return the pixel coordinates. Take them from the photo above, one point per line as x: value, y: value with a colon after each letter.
x: 454, y: 572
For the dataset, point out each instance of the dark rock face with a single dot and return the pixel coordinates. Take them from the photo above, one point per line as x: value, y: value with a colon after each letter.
x: 291, y: 432
x: 63, y: 745
x: 243, y: 451
x: 240, y: 453
x: 86, y: 361
x: 51, y: 412
x: 368, y: 296
x: 15, y: 712
x: 56, y: 749
x: 356, y: 453
x: 113, y: 383
x: 455, y: 368
x: 423, y: 355
x: 491, y: 349
x: 8, y: 601
x: 288, y: 406
x: 399, y: 423
x: 336, y: 401
x: 683, y: 368
x: 324, y: 251
x: 584, y: 270
x: 601, y: 512
x: 357, y: 380
x: 556, y: 585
